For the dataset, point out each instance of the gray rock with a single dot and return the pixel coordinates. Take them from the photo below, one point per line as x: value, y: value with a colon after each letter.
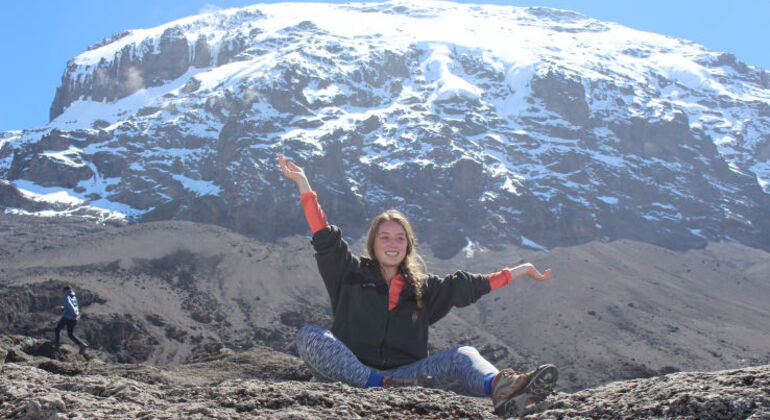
x: 211, y: 389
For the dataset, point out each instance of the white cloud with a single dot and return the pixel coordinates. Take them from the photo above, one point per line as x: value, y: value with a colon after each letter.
x: 133, y: 79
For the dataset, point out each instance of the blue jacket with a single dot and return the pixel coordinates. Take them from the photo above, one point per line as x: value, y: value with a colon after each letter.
x: 71, y: 309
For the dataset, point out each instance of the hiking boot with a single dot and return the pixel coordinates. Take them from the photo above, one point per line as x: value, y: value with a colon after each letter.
x: 391, y: 382
x: 83, y: 347
x: 513, y: 391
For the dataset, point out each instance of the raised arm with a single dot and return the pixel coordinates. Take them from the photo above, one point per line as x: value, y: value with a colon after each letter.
x: 332, y: 252
x: 313, y: 212
x: 295, y: 173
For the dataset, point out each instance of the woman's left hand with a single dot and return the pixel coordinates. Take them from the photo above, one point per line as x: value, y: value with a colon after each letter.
x: 532, y: 271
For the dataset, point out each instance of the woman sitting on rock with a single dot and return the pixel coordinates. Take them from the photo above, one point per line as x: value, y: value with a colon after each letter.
x: 383, y: 304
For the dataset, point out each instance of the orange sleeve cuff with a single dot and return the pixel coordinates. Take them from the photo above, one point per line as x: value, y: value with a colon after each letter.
x: 499, y: 279
x: 313, y: 213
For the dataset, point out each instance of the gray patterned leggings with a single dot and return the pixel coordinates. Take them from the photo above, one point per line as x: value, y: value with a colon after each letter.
x: 331, y: 360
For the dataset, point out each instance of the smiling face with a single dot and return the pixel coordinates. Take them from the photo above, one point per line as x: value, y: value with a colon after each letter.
x: 390, y: 244
x: 390, y: 241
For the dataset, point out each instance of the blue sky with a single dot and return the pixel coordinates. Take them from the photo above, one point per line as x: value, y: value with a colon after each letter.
x: 38, y: 37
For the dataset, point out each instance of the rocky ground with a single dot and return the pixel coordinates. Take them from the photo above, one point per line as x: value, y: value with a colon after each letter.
x: 39, y: 382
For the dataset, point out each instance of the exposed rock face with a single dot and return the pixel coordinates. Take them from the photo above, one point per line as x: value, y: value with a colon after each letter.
x: 13, y: 198
x: 42, y: 383
x: 30, y: 308
x: 566, y: 141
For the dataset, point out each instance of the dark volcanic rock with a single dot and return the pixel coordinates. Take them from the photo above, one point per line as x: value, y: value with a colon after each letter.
x: 232, y: 387
x: 11, y: 197
x: 740, y: 393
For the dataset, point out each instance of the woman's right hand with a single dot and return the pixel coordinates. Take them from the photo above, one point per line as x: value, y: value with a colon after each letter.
x: 294, y: 173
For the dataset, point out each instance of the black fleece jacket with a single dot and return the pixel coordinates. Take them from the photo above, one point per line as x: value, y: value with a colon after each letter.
x: 380, y: 338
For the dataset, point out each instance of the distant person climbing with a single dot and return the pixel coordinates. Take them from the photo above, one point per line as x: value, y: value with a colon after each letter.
x: 70, y: 314
x: 383, y: 304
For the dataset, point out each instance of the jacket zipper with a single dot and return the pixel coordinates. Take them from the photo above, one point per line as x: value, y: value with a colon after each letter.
x: 387, y: 321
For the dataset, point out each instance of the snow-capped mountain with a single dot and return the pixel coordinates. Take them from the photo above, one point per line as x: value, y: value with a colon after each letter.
x: 485, y: 124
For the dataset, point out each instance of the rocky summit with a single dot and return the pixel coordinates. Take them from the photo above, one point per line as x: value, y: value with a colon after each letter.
x: 485, y: 124
x: 39, y: 382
